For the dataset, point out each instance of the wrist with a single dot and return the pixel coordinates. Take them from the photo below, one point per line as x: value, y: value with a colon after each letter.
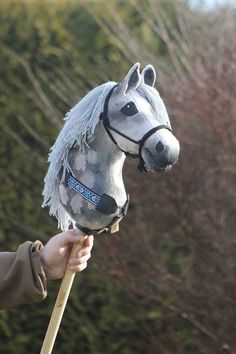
x: 37, y: 250
x: 44, y: 264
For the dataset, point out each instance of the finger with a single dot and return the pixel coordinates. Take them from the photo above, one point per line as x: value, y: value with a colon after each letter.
x: 71, y: 236
x: 79, y: 260
x: 83, y: 252
x: 89, y: 241
x: 78, y: 268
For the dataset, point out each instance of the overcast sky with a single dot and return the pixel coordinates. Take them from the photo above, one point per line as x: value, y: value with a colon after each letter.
x: 209, y: 4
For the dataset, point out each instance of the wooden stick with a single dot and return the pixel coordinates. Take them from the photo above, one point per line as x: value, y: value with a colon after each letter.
x: 60, y: 303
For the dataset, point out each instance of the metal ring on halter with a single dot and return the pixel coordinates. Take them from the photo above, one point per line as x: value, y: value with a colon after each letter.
x: 104, y: 117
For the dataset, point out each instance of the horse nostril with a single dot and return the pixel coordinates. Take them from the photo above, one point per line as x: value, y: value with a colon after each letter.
x: 164, y: 161
x: 159, y: 147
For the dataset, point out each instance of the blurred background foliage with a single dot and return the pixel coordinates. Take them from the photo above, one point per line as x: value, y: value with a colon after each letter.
x: 165, y: 283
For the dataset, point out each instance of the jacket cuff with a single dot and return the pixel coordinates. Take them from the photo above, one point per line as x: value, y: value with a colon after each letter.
x: 38, y: 272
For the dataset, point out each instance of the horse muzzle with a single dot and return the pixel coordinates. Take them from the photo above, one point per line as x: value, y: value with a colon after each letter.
x: 161, y: 151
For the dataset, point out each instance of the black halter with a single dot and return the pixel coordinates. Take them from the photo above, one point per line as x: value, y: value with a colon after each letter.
x: 104, y: 117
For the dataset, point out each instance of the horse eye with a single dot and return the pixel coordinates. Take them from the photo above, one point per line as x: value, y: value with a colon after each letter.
x: 129, y: 109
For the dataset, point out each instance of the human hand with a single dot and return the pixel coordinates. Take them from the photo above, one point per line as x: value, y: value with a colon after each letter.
x: 55, y: 256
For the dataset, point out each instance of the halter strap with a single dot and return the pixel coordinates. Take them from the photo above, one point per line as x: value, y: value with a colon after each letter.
x: 141, y: 165
x: 116, y: 220
x: 104, y: 117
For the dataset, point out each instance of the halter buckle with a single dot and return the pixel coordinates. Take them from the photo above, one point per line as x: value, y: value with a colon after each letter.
x: 115, y: 228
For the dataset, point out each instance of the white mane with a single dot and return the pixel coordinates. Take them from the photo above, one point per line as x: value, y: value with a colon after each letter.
x: 80, y: 124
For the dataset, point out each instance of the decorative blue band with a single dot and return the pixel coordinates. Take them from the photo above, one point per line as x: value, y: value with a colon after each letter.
x: 83, y: 191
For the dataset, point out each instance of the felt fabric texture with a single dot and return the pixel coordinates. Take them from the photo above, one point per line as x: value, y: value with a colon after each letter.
x: 22, y: 279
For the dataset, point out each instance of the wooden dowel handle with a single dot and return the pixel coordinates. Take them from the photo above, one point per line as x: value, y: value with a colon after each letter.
x: 60, y: 303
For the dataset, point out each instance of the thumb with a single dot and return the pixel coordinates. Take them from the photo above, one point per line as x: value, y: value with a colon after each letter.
x: 72, y: 236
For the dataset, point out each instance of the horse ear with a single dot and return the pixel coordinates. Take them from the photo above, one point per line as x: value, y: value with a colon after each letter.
x: 149, y: 75
x: 131, y: 81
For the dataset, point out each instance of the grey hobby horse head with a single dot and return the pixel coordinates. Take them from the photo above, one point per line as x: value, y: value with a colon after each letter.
x: 84, y: 183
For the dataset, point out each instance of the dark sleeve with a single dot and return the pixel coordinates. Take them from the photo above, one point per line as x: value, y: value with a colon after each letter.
x: 22, y: 279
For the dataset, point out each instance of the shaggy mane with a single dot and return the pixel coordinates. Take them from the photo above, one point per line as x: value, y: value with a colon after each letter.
x: 78, y: 130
